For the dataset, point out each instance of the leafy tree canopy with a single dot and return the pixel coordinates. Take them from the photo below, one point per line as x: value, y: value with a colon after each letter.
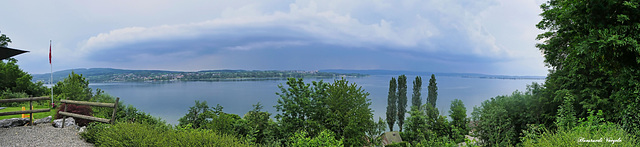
x: 340, y: 107
x: 74, y: 87
x: 592, y: 47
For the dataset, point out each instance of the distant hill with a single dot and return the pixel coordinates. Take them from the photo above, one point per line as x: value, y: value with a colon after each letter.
x: 400, y: 72
x: 90, y: 72
x: 100, y: 75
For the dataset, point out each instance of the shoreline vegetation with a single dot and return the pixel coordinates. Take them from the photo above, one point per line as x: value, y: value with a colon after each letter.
x: 110, y: 75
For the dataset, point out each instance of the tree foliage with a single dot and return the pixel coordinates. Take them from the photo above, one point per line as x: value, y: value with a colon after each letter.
x: 13, y: 79
x: 299, y: 106
x: 74, y: 87
x: 392, y: 106
x: 459, y: 120
x: 426, y: 124
x: 374, y: 133
x: 402, y: 100
x: 433, y: 91
x: 593, y: 49
x: 196, y: 115
x: 501, y: 120
x: 4, y: 40
x: 325, y: 138
x: 593, y: 128
x: 416, y: 99
x: 340, y: 107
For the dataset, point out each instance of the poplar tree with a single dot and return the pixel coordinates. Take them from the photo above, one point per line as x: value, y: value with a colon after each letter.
x: 392, y: 109
x: 402, y: 99
x: 433, y: 91
x: 416, y: 100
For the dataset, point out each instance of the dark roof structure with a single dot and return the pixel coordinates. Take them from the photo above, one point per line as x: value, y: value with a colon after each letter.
x: 6, y: 52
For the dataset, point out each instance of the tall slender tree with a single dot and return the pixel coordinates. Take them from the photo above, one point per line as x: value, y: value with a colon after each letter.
x: 402, y: 99
x: 392, y: 109
x: 416, y: 100
x: 433, y: 91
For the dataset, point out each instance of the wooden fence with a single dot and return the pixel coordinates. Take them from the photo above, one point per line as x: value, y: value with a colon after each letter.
x: 30, y: 111
x: 110, y: 105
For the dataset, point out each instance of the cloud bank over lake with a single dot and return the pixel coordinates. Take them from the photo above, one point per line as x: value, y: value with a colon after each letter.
x: 491, y: 37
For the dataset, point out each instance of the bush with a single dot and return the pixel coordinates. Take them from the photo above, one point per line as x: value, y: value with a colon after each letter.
x: 592, y: 129
x: 399, y: 144
x: 9, y: 95
x: 140, y: 134
x: 325, y: 138
x: 77, y: 109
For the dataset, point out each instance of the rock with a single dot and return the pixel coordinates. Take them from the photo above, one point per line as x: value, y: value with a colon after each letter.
x: 13, y: 122
x: 82, y: 129
x: 68, y: 122
x: 42, y: 120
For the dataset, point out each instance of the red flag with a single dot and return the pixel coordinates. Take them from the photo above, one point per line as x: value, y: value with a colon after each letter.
x: 49, y: 52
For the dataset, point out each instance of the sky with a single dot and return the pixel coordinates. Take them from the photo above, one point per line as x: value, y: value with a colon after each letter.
x: 482, y: 36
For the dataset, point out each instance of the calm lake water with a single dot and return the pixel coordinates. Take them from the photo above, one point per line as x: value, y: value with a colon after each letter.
x: 171, y: 100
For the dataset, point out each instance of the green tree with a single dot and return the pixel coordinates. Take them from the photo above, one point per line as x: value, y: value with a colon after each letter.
x: 4, y: 40
x: 74, y: 87
x: 257, y: 125
x: 402, y: 100
x: 349, y: 114
x: 433, y: 91
x: 416, y: 129
x: 196, y: 116
x: 592, y: 48
x: 392, y: 106
x: 340, y: 107
x: 501, y: 120
x: 374, y: 133
x: 13, y: 79
x: 426, y: 124
x: 416, y: 100
x: 459, y: 120
x: 325, y: 138
x: 300, y: 107
x: 493, y: 125
x: 566, y: 118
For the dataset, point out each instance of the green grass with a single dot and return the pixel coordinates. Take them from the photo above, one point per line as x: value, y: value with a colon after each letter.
x: 51, y: 113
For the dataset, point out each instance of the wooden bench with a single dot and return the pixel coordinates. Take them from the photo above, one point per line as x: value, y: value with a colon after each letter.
x: 30, y: 111
x: 64, y: 113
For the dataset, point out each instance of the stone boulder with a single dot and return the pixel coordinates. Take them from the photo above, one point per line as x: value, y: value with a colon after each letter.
x: 82, y: 129
x: 42, y: 120
x: 68, y: 122
x: 13, y: 122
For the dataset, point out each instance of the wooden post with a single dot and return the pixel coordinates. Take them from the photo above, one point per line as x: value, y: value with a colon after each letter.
x: 115, y: 108
x: 64, y: 117
x: 31, y: 114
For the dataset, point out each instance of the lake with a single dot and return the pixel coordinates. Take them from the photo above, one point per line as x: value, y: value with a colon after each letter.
x: 171, y: 100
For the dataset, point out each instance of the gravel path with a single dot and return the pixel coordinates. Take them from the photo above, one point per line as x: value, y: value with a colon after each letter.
x: 41, y: 135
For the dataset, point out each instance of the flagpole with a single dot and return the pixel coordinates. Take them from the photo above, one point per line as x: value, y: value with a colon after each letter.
x: 51, y: 80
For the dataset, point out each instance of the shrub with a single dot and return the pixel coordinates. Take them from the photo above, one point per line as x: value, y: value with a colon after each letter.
x: 140, y: 134
x: 591, y: 129
x: 6, y: 94
x: 77, y: 109
x: 325, y: 138
x: 399, y: 144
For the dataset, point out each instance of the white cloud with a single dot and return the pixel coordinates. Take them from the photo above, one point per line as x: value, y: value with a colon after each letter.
x: 495, y: 32
x: 328, y: 22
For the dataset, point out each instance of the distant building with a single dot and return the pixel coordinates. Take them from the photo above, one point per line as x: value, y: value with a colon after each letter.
x: 390, y: 138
